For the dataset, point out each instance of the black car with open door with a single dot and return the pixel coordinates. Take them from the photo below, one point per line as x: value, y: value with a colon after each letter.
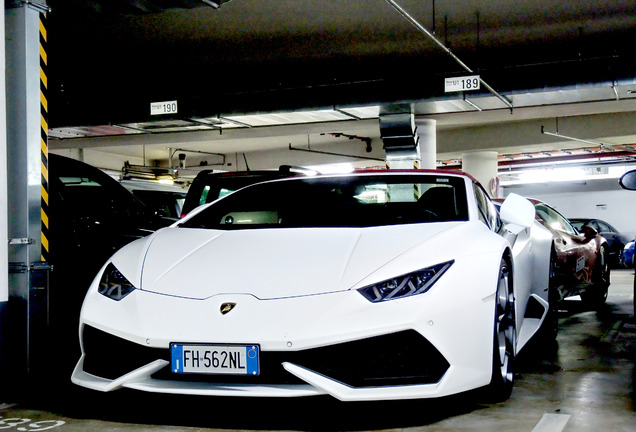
x: 91, y: 215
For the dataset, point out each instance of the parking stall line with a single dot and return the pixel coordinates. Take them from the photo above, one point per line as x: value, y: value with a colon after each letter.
x: 552, y: 423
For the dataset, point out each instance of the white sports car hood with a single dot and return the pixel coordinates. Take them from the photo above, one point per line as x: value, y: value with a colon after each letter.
x: 273, y: 263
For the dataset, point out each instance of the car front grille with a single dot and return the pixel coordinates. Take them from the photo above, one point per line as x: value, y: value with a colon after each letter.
x: 110, y: 357
x: 403, y: 358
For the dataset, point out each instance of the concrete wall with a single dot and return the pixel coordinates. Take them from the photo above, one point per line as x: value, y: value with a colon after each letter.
x: 100, y: 159
x: 264, y: 159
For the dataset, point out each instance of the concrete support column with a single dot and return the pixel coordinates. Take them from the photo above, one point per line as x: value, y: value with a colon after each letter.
x: 427, y: 133
x: 401, y: 161
x: 483, y: 165
x: 4, y: 258
x: 26, y: 170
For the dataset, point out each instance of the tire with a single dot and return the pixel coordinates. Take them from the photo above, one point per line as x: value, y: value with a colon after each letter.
x: 505, y: 338
x: 596, y: 295
x: 619, y: 258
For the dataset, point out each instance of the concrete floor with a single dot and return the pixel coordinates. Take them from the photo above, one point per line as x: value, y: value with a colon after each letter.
x: 586, y: 383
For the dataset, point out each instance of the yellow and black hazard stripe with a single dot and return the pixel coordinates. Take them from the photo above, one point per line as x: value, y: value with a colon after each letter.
x: 44, y: 140
x: 416, y: 187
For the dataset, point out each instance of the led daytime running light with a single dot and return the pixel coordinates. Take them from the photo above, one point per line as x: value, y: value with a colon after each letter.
x: 407, y: 285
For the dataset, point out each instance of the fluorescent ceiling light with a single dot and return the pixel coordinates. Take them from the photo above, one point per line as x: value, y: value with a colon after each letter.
x: 552, y: 174
x: 339, y: 168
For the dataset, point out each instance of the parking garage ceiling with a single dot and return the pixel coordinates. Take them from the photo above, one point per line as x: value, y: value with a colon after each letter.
x: 231, y: 64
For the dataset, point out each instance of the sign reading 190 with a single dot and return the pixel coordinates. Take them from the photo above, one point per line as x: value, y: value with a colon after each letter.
x: 158, y: 108
x: 456, y: 84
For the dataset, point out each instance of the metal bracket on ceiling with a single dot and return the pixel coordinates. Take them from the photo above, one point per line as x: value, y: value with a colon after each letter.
x: 472, y: 104
x: 618, y: 98
x: 437, y: 42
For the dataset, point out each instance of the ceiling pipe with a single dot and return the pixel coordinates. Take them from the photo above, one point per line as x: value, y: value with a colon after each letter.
x: 333, y: 154
x: 422, y: 29
x: 602, y: 158
x: 558, y: 135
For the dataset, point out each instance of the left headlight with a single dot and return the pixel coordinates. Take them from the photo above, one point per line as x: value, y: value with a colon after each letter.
x: 406, y: 285
x: 113, y: 284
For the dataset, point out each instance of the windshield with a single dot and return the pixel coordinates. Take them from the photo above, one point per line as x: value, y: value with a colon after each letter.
x: 554, y: 219
x: 353, y: 201
x: 578, y: 224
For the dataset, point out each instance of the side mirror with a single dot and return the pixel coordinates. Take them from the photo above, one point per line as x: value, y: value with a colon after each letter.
x: 628, y: 181
x: 517, y: 213
x: 588, y: 232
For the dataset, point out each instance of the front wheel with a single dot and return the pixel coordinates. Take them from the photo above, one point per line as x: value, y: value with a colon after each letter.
x: 505, y: 338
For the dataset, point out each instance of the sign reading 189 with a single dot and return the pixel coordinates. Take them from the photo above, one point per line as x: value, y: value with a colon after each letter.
x: 158, y: 108
x: 456, y: 84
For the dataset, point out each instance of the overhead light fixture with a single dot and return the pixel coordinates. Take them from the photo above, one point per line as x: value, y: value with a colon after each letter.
x: 554, y: 173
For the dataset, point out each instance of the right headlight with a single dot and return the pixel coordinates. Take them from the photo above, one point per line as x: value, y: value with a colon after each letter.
x: 113, y: 284
x: 406, y: 285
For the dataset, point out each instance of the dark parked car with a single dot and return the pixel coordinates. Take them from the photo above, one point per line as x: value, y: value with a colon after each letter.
x: 628, y: 255
x: 615, y: 240
x: 209, y: 186
x: 91, y: 215
x: 164, y: 201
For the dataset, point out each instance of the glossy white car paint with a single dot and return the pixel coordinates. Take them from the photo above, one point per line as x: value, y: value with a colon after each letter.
x: 291, y: 297
x: 531, y: 251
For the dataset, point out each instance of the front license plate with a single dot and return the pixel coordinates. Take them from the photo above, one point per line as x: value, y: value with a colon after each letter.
x: 215, y: 359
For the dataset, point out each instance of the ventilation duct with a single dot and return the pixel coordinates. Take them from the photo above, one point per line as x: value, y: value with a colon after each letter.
x: 399, y: 134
